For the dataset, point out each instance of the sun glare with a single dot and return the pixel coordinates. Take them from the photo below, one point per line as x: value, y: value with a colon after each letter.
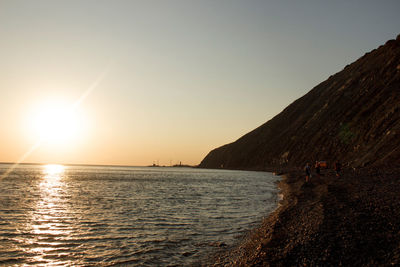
x: 55, y: 123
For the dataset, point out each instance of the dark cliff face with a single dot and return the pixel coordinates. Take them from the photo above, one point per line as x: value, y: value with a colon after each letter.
x: 353, y: 117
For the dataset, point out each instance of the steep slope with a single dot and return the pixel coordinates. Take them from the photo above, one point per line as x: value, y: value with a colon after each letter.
x: 352, y: 117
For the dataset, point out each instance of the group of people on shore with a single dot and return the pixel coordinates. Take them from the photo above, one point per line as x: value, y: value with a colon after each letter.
x: 318, y: 166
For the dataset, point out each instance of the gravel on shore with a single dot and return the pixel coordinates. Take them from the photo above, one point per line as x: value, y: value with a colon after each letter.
x: 351, y: 220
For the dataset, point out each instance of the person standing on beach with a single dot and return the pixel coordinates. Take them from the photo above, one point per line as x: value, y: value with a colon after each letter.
x: 307, y: 169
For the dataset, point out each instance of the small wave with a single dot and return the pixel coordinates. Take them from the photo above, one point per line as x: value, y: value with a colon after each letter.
x: 11, y: 261
x: 115, y: 216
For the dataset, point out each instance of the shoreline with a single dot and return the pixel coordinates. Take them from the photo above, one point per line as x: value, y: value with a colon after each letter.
x: 234, y: 254
x: 353, y: 219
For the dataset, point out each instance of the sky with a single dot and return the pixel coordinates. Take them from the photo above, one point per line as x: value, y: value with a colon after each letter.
x: 166, y: 81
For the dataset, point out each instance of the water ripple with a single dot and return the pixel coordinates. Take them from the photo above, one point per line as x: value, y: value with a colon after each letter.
x: 90, y: 216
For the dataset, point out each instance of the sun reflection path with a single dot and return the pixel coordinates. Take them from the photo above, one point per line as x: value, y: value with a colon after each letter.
x: 47, y: 222
x: 53, y: 171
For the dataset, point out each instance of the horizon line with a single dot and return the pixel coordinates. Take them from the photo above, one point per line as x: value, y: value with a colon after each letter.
x: 101, y: 165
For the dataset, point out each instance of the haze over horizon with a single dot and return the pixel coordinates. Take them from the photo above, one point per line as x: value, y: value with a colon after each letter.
x: 166, y: 81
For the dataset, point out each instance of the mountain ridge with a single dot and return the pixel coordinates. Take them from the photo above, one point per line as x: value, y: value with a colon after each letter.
x: 352, y: 117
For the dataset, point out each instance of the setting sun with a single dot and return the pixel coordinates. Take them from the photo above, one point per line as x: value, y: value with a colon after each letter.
x: 55, y: 122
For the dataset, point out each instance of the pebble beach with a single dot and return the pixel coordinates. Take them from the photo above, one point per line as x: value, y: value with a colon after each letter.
x: 351, y: 220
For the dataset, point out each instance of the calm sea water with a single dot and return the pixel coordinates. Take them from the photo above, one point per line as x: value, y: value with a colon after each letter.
x: 75, y: 215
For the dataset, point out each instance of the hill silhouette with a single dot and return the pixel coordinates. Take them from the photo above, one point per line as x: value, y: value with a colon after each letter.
x: 348, y: 220
x: 352, y: 117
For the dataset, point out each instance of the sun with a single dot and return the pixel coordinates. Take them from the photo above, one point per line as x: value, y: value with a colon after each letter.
x: 55, y: 122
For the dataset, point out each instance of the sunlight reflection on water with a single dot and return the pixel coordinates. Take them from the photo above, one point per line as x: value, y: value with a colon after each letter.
x: 91, y: 216
x: 53, y: 171
x: 46, y: 217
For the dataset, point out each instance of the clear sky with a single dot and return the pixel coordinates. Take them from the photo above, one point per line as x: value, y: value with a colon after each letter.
x: 166, y: 81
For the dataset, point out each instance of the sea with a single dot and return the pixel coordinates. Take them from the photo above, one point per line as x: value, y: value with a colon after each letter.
x: 57, y: 215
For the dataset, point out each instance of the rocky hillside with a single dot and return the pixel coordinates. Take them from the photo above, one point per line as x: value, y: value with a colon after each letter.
x: 353, y: 117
